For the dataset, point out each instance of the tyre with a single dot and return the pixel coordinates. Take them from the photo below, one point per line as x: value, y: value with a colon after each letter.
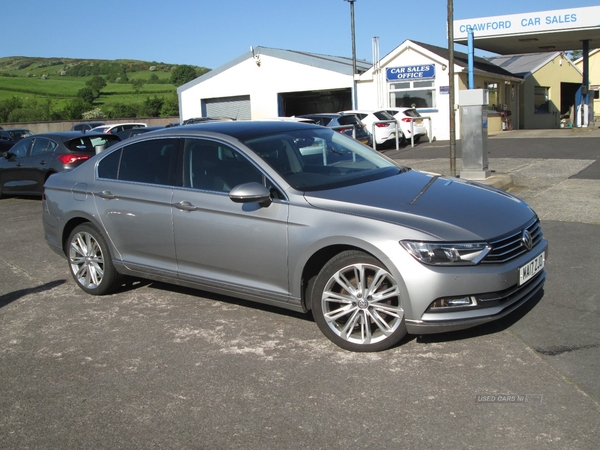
x: 356, y: 303
x: 90, y: 262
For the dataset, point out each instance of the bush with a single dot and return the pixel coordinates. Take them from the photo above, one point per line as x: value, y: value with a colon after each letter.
x: 95, y: 113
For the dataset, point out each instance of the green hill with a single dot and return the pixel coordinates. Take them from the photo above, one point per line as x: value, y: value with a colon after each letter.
x: 40, y: 89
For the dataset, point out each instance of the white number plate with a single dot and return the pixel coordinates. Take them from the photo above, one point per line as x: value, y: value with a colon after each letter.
x: 531, y: 269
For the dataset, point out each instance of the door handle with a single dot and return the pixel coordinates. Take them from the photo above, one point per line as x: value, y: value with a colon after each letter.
x: 42, y: 163
x: 106, y: 195
x: 185, y: 206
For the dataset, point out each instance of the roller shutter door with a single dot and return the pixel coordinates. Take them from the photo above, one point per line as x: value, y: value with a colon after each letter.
x: 235, y: 107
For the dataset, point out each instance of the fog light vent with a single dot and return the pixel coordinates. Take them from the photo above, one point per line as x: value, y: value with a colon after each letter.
x: 453, y: 302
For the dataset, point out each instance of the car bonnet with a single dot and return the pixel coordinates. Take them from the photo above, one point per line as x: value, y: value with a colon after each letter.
x: 445, y: 208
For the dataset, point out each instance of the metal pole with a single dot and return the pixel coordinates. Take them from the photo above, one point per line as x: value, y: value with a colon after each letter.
x: 451, y: 87
x: 354, y: 102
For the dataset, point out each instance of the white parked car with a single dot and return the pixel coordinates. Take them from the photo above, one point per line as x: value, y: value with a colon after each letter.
x: 405, y: 116
x: 382, y: 132
x: 118, y: 127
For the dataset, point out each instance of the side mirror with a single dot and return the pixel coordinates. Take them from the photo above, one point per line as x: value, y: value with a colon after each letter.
x: 251, y: 193
x: 8, y: 155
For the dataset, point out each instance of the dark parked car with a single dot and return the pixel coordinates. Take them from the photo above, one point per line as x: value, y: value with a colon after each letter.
x: 374, y: 249
x: 16, y: 134
x: 135, y: 131
x: 27, y: 165
x: 348, y: 124
x: 6, y: 141
x: 86, y: 126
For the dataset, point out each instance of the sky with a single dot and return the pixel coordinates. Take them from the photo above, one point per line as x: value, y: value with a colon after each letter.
x: 210, y: 33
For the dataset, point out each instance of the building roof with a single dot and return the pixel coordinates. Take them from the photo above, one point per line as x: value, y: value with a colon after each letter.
x: 462, y: 60
x: 526, y: 64
x: 338, y: 64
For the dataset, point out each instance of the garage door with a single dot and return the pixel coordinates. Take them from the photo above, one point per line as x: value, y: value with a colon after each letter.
x: 234, y: 107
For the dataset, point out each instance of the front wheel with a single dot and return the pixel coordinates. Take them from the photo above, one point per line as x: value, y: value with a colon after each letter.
x: 89, y: 261
x: 356, y: 303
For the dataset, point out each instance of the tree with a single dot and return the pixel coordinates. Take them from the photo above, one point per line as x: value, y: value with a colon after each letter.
x: 86, y: 94
x: 8, y: 106
x: 96, y: 84
x: 182, y: 74
x: 151, y: 107
x: 75, y: 108
x: 137, y: 85
x: 170, y: 107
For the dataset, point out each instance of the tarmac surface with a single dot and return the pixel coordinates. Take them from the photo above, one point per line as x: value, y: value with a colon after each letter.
x: 157, y: 366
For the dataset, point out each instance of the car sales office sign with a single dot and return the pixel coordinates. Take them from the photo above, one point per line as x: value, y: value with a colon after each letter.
x: 424, y: 72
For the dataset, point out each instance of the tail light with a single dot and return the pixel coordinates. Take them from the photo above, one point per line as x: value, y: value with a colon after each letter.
x: 71, y: 158
x: 382, y: 125
x: 406, y: 119
x: 344, y: 130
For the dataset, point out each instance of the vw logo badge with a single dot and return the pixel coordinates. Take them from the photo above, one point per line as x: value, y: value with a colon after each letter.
x: 363, y: 304
x: 527, y: 240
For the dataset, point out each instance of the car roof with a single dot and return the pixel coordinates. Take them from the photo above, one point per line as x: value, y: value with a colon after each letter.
x: 66, y: 135
x: 320, y: 115
x: 240, y: 130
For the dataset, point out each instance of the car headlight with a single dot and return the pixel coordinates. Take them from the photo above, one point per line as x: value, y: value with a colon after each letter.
x: 447, y: 253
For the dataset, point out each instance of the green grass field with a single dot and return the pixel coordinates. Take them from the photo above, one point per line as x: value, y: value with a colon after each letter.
x: 45, y: 79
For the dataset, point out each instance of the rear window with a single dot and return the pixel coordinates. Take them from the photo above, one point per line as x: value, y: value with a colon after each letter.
x: 348, y: 120
x: 383, y: 115
x: 88, y: 144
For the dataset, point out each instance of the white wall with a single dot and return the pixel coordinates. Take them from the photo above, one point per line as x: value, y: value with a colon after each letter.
x: 374, y: 93
x: 262, y: 83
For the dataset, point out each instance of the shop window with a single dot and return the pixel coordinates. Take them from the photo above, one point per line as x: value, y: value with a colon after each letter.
x: 492, y: 89
x: 412, y: 94
x: 541, y: 99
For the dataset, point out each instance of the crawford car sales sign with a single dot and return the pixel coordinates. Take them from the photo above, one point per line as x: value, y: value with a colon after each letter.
x: 540, y: 22
x: 423, y: 72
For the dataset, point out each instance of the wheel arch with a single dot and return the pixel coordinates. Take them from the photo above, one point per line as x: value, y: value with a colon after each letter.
x: 315, y: 263
x: 70, y: 225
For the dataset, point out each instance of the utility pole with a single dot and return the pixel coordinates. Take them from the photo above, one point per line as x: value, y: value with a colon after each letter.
x: 451, y: 87
x: 354, y: 102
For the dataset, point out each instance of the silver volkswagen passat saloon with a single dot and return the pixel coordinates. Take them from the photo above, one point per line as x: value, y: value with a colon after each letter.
x: 302, y: 217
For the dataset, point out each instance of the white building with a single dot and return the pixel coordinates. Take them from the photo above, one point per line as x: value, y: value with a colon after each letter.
x: 268, y: 82
x: 416, y: 74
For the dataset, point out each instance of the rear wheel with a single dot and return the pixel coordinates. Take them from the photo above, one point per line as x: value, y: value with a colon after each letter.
x: 356, y: 303
x: 90, y: 262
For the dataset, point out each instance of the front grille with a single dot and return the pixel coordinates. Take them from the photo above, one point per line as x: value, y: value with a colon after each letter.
x: 510, y: 247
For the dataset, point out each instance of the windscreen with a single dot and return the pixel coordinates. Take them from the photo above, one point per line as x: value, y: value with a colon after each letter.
x: 318, y: 159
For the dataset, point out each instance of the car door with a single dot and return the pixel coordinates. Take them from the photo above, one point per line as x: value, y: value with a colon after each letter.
x: 222, y: 243
x: 40, y: 161
x: 14, y: 176
x: 133, y: 194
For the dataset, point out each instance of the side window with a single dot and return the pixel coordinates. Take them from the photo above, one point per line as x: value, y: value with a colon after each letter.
x: 108, y: 167
x: 21, y: 148
x: 148, y: 161
x: 212, y: 166
x: 43, y: 145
